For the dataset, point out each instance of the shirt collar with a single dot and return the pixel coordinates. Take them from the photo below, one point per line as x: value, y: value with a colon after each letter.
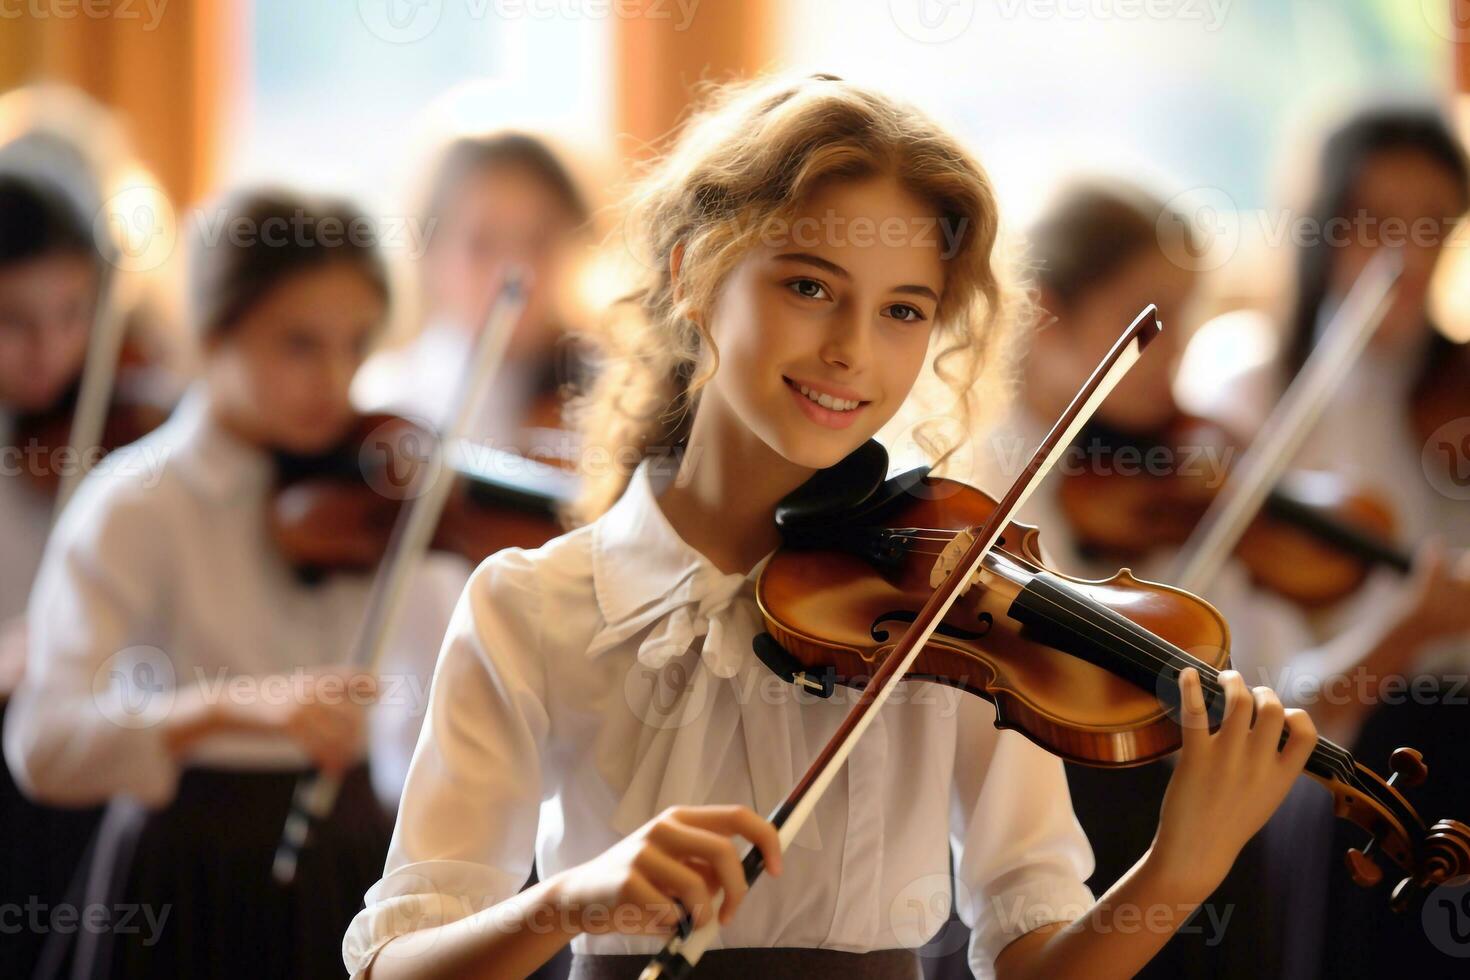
x: 640, y: 564
x: 211, y: 460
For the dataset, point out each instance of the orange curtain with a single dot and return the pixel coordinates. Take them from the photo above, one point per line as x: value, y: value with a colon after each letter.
x: 163, y: 64
x: 659, y: 55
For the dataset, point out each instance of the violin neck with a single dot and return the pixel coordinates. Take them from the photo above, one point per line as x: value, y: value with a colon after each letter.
x: 1061, y: 616
x: 1326, y: 527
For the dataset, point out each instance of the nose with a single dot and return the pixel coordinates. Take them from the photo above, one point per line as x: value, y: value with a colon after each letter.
x: 846, y: 342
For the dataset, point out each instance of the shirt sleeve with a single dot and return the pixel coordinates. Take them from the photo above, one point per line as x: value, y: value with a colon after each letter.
x: 407, y: 669
x: 466, y: 828
x: 1021, y: 858
x: 85, y: 724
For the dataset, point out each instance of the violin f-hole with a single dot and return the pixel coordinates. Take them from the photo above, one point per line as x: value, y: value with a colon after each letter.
x: 880, y: 635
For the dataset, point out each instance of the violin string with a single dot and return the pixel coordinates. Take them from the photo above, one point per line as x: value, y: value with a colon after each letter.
x: 1167, y: 655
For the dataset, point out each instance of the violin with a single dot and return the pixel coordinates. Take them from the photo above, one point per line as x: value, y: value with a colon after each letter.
x: 1315, y: 540
x: 137, y: 404
x: 1088, y: 670
x: 335, y: 512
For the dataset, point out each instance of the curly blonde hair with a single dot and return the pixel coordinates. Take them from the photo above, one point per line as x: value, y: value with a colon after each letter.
x: 744, y: 161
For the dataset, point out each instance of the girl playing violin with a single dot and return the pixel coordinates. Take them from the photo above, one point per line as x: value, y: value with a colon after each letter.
x: 178, y: 670
x: 808, y: 247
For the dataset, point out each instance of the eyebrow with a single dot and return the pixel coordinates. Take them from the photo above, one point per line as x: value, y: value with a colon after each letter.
x: 837, y: 270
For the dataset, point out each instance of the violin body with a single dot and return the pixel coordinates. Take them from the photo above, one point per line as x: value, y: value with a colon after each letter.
x: 836, y: 613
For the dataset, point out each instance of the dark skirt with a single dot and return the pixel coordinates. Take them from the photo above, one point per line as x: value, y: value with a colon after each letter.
x: 767, y: 964
x: 40, y: 849
x: 188, y: 889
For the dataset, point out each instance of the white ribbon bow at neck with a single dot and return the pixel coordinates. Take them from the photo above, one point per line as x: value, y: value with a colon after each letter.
x: 682, y: 624
x: 677, y: 760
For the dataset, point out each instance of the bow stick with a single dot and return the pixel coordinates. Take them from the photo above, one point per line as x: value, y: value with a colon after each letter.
x: 1260, y: 468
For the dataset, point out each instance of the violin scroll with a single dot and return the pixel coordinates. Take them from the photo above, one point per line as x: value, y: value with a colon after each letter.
x: 1443, y: 853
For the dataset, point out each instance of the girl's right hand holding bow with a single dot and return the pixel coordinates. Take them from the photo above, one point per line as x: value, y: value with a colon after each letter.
x: 681, y: 859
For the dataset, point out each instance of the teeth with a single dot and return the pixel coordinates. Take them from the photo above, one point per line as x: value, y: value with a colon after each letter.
x: 828, y: 402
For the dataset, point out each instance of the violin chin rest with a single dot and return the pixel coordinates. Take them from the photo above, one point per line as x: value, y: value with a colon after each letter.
x: 841, y: 487
x: 821, y: 510
x: 820, y: 683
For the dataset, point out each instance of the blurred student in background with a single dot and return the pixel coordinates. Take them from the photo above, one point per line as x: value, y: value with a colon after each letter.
x: 1387, y: 176
x: 492, y: 201
x: 179, y: 671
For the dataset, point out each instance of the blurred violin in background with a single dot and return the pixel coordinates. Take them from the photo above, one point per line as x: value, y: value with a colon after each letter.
x: 1314, y: 542
x: 336, y: 511
x: 140, y: 399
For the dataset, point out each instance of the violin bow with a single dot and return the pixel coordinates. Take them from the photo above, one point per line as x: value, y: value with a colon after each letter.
x: 1263, y: 463
x: 316, y: 794
x: 683, y: 950
x: 99, y: 371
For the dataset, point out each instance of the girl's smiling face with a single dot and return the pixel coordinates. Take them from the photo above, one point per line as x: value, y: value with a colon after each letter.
x: 822, y: 335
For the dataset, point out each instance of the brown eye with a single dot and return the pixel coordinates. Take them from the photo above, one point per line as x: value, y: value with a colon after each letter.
x: 808, y: 288
x: 905, y: 313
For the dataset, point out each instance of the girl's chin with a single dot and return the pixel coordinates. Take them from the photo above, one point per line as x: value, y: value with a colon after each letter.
x: 817, y: 452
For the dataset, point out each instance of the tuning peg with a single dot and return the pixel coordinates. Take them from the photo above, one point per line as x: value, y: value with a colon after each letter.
x: 1364, y: 871
x: 1399, y: 900
x: 1408, y: 767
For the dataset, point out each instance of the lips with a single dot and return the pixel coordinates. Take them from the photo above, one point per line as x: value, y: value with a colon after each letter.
x: 826, y: 405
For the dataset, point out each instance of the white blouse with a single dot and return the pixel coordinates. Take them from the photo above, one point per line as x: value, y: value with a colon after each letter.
x: 161, y: 574
x: 589, y: 684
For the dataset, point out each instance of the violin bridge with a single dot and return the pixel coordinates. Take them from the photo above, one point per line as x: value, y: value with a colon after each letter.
x: 949, y: 560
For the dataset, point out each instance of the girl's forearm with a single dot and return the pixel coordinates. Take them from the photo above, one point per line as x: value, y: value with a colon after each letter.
x: 504, y: 942
x: 1117, y: 937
